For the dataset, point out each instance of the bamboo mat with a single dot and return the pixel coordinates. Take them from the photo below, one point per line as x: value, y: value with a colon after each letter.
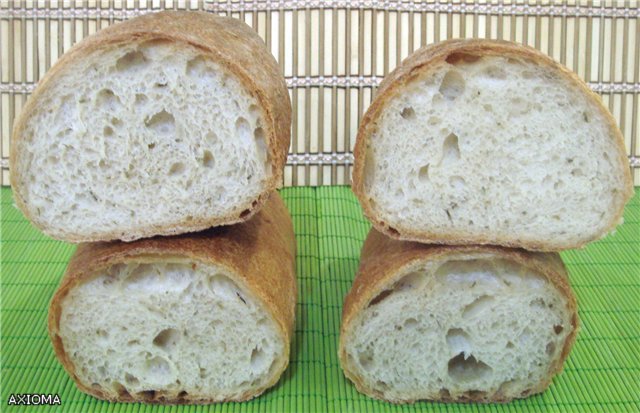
x: 601, y: 375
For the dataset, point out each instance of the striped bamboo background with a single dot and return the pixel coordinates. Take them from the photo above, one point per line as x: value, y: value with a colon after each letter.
x: 335, y: 53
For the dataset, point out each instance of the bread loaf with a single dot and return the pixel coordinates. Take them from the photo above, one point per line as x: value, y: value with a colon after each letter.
x: 196, y: 318
x: 167, y: 123
x: 465, y: 323
x: 490, y: 142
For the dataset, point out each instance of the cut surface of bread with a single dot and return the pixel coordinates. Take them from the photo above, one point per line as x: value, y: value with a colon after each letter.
x: 166, y: 123
x: 181, y: 329
x: 488, y: 142
x: 198, y: 318
x: 457, y: 324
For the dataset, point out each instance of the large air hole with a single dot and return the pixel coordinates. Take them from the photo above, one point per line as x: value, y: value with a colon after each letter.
x: 176, y: 169
x: 478, y: 306
x: 121, y: 390
x: 473, y: 395
x: 106, y: 99
x: 141, y: 99
x: 408, y: 113
x: 167, y: 339
x: 467, y: 369
x: 258, y: 358
x: 382, y: 385
x: 551, y: 348
x: 211, y: 137
x: 458, y: 341
x: 207, y: 159
x: 147, y: 395
x: 254, y: 110
x: 473, y: 272
x: 531, y: 279
x: 369, y: 167
x: 243, y: 130
x: 162, y: 123
x: 380, y: 297
x: 131, y: 380
x: 437, y: 99
x: 495, y: 72
x: 157, y: 48
x: 412, y: 280
x: 159, y: 369
x: 461, y: 58
x: 452, y: 85
x: 507, y: 387
x: 450, y: 149
x: 258, y: 134
x: 423, y: 173
x: 365, y: 358
x: 131, y: 61
x: 107, y: 131
x: 142, y: 277
x: 221, y: 286
x: 261, y: 144
x: 196, y: 66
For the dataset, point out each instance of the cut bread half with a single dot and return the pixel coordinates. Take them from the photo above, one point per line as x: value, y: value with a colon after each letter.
x: 443, y: 323
x: 490, y: 142
x: 167, y: 123
x: 197, y: 318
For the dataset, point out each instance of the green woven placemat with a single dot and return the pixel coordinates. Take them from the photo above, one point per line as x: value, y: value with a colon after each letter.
x: 601, y: 375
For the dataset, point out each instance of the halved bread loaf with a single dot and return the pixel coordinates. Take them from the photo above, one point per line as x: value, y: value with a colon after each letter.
x: 483, y: 324
x: 490, y: 142
x: 167, y: 123
x: 197, y: 318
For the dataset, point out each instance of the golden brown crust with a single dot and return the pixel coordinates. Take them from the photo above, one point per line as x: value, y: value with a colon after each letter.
x: 382, y: 262
x: 259, y: 253
x: 234, y: 46
x: 418, y: 65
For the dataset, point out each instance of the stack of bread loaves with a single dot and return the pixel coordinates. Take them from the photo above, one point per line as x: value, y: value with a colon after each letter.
x: 470, y: 143
x: 162, y: 125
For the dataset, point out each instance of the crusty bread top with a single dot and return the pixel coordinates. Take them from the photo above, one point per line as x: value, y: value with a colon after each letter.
x: 384, y: 261
x: 419, y: 65
x: 259, y: 253
x: 233, y: 45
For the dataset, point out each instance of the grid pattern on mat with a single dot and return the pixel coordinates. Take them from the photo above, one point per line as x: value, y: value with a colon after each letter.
x: 601, y: 375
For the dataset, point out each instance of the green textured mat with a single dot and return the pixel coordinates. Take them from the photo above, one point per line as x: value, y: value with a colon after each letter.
x: 602, y: 373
